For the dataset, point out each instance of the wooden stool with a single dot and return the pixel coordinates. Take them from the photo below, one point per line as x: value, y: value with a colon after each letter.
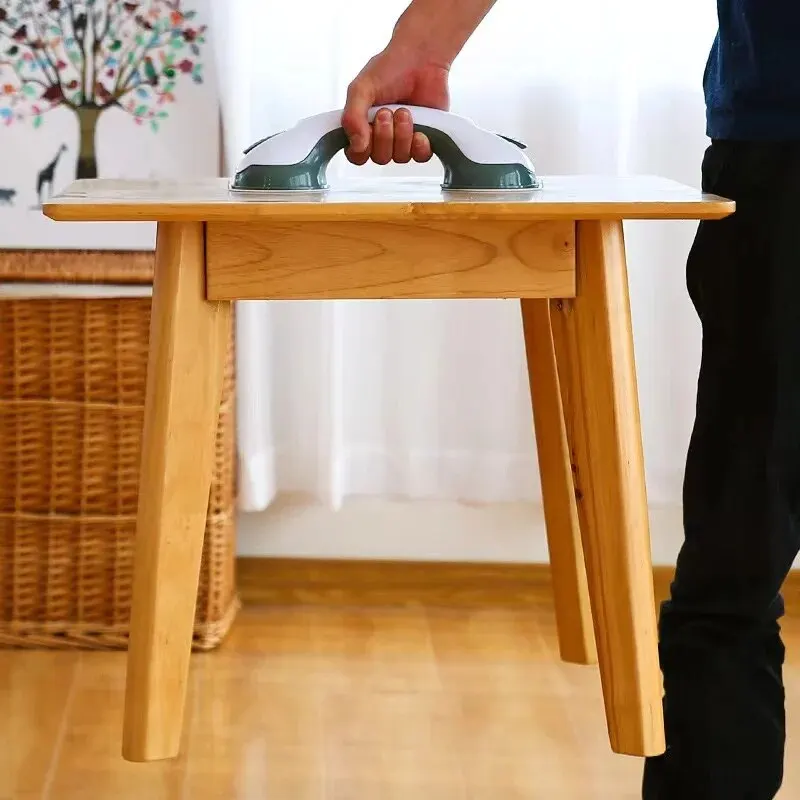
x: 561, y: 252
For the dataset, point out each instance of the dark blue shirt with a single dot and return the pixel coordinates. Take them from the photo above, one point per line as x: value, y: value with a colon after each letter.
x: 752, y: 80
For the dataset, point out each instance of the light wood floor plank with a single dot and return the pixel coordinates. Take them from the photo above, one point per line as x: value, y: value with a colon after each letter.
x: 408, y: 702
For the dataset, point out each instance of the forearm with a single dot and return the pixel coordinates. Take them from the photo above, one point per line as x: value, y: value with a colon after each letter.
x: 439, y: 29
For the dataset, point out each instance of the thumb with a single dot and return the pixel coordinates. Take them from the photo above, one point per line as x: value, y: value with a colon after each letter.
x: 360, y: 97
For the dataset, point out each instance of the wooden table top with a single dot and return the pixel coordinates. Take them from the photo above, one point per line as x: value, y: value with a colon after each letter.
x: 384, y: 199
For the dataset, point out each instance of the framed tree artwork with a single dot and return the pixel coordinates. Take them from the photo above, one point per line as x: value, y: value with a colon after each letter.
x: 100, y: 88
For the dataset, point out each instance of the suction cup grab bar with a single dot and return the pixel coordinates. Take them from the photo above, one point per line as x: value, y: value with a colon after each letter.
x: 473, y: 158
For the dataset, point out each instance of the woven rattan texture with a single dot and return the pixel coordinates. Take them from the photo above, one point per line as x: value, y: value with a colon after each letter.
x: 72, y: 384
x: 51, y: 266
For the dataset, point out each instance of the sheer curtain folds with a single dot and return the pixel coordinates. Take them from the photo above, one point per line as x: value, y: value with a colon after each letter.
x: 429, y: 399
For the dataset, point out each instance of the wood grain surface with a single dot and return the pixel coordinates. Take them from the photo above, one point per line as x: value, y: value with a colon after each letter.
x: 326, y: 260
x: 358, y: 199
x: 420, y: 700
x: 570, y: 587
x: 595, y: 355
x: 185, y: 372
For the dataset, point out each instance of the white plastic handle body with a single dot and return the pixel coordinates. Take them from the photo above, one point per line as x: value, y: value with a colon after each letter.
x: 478, y: 145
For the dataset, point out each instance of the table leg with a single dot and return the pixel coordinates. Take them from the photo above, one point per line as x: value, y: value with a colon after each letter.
x: 594, y: 346
x: 188, y: 340
x: 570, y: 590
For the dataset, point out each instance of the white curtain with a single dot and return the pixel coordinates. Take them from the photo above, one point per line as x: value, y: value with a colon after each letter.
x: 420, y: 399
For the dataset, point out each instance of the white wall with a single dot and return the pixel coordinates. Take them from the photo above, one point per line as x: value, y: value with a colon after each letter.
x: 380, y: 528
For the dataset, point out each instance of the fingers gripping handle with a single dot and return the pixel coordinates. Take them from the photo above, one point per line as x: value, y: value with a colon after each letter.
x: 473, y: 158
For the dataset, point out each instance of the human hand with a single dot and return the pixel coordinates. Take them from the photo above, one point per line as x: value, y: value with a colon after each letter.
x: 396, y: 75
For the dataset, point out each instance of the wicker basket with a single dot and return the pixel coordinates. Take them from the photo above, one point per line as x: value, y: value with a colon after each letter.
x: 72, y: 382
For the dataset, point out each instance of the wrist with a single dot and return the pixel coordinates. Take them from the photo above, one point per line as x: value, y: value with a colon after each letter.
x: 426, y: 37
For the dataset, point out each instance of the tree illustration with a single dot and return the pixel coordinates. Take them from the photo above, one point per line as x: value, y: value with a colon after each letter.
x: 93, y: 55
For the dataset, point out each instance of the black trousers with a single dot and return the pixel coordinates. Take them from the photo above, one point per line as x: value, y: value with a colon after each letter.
x: 720, y: 641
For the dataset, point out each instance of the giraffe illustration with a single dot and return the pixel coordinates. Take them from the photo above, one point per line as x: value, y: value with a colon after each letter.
x: 46, y: 175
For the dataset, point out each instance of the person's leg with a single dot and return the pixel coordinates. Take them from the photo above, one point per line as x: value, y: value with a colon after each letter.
x: 720, y: 644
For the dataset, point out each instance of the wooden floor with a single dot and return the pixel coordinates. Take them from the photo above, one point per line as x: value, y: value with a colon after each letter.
x: 336, y: 702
